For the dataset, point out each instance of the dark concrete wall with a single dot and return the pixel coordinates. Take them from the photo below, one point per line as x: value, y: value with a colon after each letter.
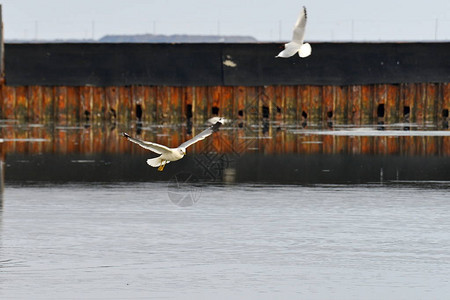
x: 203, y: 64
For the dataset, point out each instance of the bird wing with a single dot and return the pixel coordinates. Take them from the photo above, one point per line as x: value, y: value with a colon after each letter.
x: 157, y: 148
x: 299, y: 28
x: 290, y: 49
x: 202, y: 135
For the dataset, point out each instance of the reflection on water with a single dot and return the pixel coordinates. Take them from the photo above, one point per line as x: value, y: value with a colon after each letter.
x: 344, y: 213
x: 268, y: 138
x: 128, y: 241
x: 239, y: 152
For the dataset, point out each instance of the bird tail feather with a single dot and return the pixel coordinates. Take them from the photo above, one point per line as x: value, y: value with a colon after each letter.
x: 305, y: 50
x: 154, y: 162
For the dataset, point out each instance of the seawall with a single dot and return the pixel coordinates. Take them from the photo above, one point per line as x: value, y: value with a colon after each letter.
x: 354, y: 83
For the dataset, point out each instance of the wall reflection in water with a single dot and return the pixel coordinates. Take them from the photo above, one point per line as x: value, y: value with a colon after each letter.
x: 238, y: 152
x: 262, y: 138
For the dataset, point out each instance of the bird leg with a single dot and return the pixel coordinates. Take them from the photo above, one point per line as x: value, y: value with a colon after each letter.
x: 161, y: 167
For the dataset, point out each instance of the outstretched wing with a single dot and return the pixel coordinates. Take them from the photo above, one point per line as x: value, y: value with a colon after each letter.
x: 157, y: 148
x: 202, y: 135
x: 290, y: 49
x: 299, y: 28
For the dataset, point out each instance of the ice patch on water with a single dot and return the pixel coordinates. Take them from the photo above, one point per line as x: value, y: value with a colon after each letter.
x: 372, y: 132
x: 25, y: 140
x: 312, y: 142
x: 69, y: 127
x: 83, y: 161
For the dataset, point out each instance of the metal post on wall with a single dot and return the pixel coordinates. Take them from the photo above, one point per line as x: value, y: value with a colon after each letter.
x: 2, y: 50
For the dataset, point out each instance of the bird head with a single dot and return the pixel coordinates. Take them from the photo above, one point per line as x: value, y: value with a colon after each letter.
x: 182, y: 151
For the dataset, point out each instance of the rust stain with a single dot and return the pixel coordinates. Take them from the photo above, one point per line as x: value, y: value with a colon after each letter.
x: 126, y: 111
x: 214, y: 101
x: 446, y: 96
x: 112, y: 103
x: 98, y: 105
x: 262, y: 101
x: 305, y: 103
x: 227, y: 102
x: 366, y: 104
x: 432, y: 102
x: 137, y: 100
x: 252, y: 106
x: 35, y: 110
x: 287, y: 97
x: 48, y: 104
x: 61, y: 105
x: 358, y: 104
x: 380, y: 101
x: 86, y: 99
x: 73, y: 104
x: 354, y: 110
x: 421, y: 94
x: 174, y: 111
x: 21, y: 107
x: 162, y: 103
x: 316, y: 103
x: 201, y: 104
x: 9, y: 102
x: 328, y: 103
x: 240, y: 105
x: 187, y: 102
x: 392, y: 103
x: 340, y: 104
x: 282, y: 109
x: 150, y: 104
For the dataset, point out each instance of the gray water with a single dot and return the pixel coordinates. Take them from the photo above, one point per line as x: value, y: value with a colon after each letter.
x: 130, y: 241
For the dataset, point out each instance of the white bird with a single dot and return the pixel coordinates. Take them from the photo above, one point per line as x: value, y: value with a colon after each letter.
x: 297, y: 45
x: 170, y: 154
x: 214, y: 120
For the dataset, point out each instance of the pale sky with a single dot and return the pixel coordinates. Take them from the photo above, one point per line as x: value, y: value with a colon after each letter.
x: 328, y: 20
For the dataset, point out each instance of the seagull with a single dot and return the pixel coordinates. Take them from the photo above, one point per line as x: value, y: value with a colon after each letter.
x: 297, y: 45
x: 214, y: 120
x: 170, y: 154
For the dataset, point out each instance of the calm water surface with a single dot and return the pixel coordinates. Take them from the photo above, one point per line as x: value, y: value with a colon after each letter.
x: 120, y: 241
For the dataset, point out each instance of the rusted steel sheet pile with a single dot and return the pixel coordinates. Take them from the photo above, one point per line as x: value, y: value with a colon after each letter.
x: 354, y: 104
x: 340, y: 83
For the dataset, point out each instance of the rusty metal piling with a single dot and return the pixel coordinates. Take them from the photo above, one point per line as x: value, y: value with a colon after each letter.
x: 356, y: 104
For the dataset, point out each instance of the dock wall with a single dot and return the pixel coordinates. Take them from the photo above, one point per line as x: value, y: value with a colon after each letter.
x: 354, y: 104
x: 354, y: 83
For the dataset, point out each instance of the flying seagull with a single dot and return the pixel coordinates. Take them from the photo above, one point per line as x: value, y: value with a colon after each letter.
x: 170, y: 154
x: 214, y: 120
x: 297, y: 45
